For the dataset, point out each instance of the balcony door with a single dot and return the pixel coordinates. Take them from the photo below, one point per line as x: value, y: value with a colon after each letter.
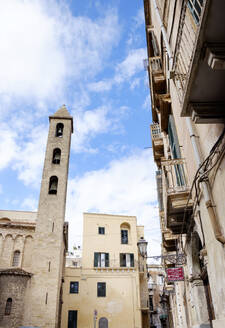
x: 72, y: 319
x: 175, y: 151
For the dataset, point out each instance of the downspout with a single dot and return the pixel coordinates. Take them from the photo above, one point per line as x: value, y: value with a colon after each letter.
x: 205, y: 186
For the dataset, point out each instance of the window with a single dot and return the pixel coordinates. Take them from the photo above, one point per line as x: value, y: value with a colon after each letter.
x: 74, y: 263
x: 8, y: 306
x: 101, y: 289
x: 101, y: 260
x: 56, y: 156
x: 59, y: 130
x: 74, y: 287
x: 16, y: 259
x: 126, y: 260
x: 124, y: 236
x: 101, y: 230
x: 195, y: 7
x: 53, y: 184
x: 72, y: 319
x: 151, y: 303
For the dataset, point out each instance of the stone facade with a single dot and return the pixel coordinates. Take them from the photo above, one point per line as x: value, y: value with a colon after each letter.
x: 33, y: 245
x: 186, y: 77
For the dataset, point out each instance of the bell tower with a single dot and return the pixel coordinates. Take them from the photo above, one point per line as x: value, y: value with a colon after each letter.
x: 50, y: 242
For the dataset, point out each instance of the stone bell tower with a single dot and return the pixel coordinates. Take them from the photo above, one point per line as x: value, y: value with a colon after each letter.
x: 50, y: 244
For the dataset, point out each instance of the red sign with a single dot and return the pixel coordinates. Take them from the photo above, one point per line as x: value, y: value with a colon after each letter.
x: 175, y: 274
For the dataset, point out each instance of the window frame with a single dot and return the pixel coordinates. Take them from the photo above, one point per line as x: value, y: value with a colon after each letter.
x: 101, y: 260
x: 8, y: 306
x: 16, y: 258
x: 124, y: 260
x: 74, y: 289
x: 101, y: 286
x: 124, y: 239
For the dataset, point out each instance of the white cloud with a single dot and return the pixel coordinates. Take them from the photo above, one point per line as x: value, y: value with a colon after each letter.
x: 43, y: 48
x: 30, y: 204
x: 101, y: 86
x: 126, y: 186
x: 124, y: 72
x: 29, y: 158
x: 132, y: 64
x: 8, y: 147
x: 87, y: 125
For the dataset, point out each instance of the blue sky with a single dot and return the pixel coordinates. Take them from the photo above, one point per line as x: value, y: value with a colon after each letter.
x: 88, y: 55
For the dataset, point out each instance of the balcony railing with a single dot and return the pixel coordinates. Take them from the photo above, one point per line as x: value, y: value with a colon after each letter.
x: 156, y: 131
x: 175, y: 195
x: 186, y: 41
x: 155, y: 65
x: 174, y: 176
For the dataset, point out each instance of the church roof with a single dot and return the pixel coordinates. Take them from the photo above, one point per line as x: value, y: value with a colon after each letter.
x: 15, y: 271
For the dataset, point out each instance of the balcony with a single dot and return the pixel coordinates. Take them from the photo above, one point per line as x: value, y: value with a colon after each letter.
x: 145, y: 305
x: 169, y: 241
x: 156, y: 72
x: 157, y: 142
x: 199, y: 61
x: 175, y: 195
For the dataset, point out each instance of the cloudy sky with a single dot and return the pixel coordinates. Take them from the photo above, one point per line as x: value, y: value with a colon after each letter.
x: 88, y: 55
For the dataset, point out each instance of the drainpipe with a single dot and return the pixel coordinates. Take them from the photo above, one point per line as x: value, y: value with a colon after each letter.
x: 205, y: 186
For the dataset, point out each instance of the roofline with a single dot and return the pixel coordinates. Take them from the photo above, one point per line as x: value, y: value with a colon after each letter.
x: 105, y: 214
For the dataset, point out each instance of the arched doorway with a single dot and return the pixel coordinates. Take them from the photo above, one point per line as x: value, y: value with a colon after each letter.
x: 103, y: 323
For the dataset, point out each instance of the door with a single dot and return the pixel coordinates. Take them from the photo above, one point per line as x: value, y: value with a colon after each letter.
x: 103, y: 323
x: 72, y: 319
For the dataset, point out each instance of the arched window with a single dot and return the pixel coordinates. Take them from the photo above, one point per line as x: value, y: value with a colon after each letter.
x: 53, y: 184
x: 59, y: 130
x: 124, y: 232
x: 56, y: 156
x: 103, y: 323
x: 8, y: 306
x: 16, y: 259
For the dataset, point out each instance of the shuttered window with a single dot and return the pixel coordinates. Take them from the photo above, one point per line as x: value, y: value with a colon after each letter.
x: 101, y: 260
x: 126, y: 260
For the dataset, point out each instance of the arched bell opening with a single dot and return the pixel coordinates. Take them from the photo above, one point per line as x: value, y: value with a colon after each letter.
x: 53, y: 185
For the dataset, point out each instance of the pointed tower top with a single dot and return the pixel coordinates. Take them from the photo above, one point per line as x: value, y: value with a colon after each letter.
x: 62, y: 113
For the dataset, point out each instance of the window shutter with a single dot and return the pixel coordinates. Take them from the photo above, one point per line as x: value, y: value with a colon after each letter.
x: 132, y: 260
x: 95, y: 259
x: 107, y: 259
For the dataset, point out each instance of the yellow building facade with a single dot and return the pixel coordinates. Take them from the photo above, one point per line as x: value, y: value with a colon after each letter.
x: 110, y: 287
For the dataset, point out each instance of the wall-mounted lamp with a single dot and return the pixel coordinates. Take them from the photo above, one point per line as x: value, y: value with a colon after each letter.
x: 142, y: 247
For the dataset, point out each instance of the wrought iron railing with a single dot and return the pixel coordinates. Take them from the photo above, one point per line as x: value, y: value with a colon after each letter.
x: 174, y: 176
x: 186, y: 41
x: 155, y: 65
x: 156, y: 131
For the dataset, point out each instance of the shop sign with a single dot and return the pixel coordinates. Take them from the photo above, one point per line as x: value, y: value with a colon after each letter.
x: 175, y: 274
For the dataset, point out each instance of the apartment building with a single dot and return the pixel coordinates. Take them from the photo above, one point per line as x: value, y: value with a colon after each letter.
x: 109, y: 289
x: 186, y: 67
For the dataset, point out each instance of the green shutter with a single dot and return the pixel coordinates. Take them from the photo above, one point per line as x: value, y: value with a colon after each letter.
x: 96, y: 259
x: 174, y: 143
x: 107, y: 259
x: 132, y: 260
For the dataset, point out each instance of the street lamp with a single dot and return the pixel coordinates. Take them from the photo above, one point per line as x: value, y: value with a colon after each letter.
x: 142, y: 247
